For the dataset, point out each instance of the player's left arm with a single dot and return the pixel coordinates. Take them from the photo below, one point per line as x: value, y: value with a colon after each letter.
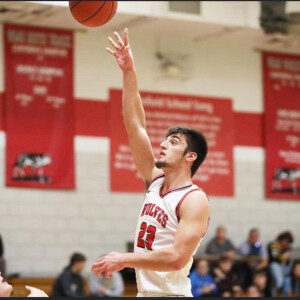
x: 194, y: 215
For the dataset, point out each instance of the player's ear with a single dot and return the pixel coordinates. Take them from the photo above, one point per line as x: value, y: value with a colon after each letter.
x: 191, y: 156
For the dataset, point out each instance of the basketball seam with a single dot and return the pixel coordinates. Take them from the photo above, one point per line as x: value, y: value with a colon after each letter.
x: 75, y: 5
x: 112, y: 8
x: 92, y: 15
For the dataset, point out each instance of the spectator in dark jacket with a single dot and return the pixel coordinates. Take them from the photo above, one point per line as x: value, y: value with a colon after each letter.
x: 225, y: 278
x: 257, y: 255
x: 70, y: 283
x: 280, y: 259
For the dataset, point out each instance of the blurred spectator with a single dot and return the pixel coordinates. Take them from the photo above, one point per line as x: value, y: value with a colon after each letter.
x: 224, y: 276
x: 106, y: 287
x: 237, y: 291
x: 257, y: 256
x: 279, y: 256
x: 252, y: 291
x: 253, y: 247
x: 203, y: 284
x: 220, y: 245
x: 260, y: 280
x: 70, y: 282
x: 2, y: 261
x: 292, y: 283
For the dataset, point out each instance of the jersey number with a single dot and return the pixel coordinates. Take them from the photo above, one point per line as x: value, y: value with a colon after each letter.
x: 149, y: 238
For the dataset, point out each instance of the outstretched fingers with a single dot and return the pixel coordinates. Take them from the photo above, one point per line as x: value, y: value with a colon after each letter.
x: 113, y: 43
x: 126, y: 37
x: 110, y: 51
x: 120, y: 41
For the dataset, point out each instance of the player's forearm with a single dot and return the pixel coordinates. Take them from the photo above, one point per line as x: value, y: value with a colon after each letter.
x: 133, y: 111
x: 161, y: 260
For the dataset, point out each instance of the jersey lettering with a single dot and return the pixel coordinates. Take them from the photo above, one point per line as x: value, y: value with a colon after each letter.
x: 156, y: 212
x: 149, y: 238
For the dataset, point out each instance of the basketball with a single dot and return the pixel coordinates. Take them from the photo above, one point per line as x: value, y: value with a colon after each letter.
x: 93, y: 13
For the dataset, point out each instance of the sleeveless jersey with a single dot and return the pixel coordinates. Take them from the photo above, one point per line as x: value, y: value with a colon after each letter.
x: 156, y: 228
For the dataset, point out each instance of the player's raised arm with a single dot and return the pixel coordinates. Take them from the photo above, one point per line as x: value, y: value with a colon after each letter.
x: 133, y: 111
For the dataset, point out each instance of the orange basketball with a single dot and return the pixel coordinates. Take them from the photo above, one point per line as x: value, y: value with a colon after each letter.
x: 93, y: 13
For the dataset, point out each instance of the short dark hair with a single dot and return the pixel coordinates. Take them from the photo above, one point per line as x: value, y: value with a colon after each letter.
x: 77, y: 257
x: 286, y: 235
x: 196, y: 142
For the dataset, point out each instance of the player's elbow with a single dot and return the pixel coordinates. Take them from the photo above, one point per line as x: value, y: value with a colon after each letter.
x: 179, y: 262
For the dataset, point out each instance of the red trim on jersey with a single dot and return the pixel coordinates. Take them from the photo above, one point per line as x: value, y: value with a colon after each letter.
x: 156, y: 177
x: 172, y: 190
x: 180, y: 202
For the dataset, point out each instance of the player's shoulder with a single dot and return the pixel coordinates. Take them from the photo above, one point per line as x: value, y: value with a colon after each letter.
x: 195, y: 205
x: 196, y: 198
x: 197, y: 194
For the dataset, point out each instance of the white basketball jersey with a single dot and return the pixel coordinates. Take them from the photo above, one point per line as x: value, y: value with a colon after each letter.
x: 156, y: 228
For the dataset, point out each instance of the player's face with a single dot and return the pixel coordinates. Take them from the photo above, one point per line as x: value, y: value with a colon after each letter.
x: 172, y: 151
x: 5, y: 288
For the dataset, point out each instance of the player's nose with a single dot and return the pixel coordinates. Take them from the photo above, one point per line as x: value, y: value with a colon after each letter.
x: 163, y: 145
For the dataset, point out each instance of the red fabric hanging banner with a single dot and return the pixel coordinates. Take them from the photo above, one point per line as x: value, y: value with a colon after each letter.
x: 282, y: 125
x: 212, y: 116
x: 39, y: 107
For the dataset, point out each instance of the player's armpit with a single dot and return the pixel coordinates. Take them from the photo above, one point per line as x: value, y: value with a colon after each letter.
x: 194, y: 217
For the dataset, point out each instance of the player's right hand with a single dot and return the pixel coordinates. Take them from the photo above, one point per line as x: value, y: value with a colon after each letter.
x: 122, y: 53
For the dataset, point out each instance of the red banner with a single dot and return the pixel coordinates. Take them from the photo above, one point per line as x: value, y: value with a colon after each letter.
x: 282, y: 125
x: 39, y: 107
x: 213, y: 117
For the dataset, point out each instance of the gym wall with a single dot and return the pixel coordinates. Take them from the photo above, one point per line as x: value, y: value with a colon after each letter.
x: 41, y: 229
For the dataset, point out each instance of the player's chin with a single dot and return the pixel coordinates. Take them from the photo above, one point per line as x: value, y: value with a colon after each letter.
x: 160, y: 163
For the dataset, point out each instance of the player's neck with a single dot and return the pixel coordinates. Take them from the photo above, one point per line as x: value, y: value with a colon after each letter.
x: 176, y: 179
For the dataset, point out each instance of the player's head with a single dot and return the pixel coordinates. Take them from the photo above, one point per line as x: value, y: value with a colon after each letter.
x: 183, y: 145
x: 77, y: 262
x: 5, y: 288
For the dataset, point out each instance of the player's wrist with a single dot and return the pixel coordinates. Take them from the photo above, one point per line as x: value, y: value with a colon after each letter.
x: 125, y: 260
x: 129, y: 71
